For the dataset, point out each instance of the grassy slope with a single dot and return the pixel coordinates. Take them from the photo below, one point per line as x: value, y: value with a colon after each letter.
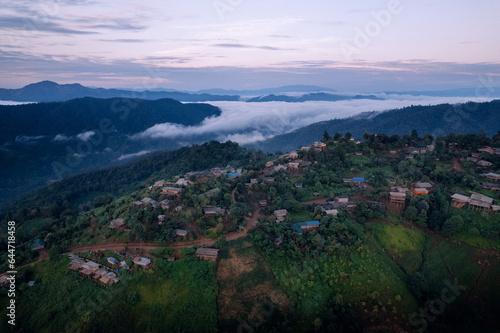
x: 247, y: 288
x: 405, y: 245
x: 179, y: 296
x: 364, y: 280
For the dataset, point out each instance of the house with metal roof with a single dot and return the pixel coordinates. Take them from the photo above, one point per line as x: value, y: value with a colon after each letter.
x: 233, y: 175
x: 307, y: 226
x: 493, y: 176
x: 397, y: 197
x: 214, y: 210
x: 172, y: 190
x: 423, y: 185
x: 332, y: 212
x: 484, y: 164
x: 480, y: 201
x: 159, y: 183
x: 491, y: 186
x: 420, y: 191
x: 205, y: 253
x: 116, y: 223
x: 141, y: 261
x: 181, y: 232
x: 113, y: 261
x: 458, y: 200
x: 344, y: 198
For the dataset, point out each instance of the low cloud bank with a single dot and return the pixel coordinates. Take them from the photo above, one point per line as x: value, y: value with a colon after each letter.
x: 250, y: 122
x: 127, y: 156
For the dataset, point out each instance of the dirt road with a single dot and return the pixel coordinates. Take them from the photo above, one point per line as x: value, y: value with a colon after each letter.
x: 203, y: 241
x: 457, y: 166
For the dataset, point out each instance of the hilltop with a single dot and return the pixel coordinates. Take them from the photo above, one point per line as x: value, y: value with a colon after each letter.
x: 359, y: 235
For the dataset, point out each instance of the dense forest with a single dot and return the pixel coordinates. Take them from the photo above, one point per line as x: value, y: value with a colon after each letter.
x: 128, y: 116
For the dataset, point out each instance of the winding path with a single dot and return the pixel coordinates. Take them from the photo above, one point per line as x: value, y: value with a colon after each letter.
x: 151, y: 246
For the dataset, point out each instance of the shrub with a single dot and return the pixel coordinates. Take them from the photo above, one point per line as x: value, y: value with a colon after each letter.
x: 452, y: 225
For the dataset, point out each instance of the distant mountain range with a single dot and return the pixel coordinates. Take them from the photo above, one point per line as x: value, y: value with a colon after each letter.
x: 321, y: 96
x: 48, y: 91
x: 479, y: 91
x: 266, y: 91
x: 437, y: 120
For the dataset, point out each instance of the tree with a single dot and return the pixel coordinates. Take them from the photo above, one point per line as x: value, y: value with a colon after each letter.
x: 411, y: 213
x: 326, y: 137
x: 452, y: 225
x: 348, y: 136
x: 422, y: 218
x: 318, y: 241
x: 435, y: 220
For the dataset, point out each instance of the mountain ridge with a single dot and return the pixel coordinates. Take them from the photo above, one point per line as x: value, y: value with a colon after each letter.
x: 48, y: 91
x: 436, y: 119
x: 319, y: 96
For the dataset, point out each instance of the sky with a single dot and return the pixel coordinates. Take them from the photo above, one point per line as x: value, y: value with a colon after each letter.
x: 362, y: 45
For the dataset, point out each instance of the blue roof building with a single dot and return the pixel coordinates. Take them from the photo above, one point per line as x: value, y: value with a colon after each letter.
x: 309, y: 225
x: 38, y: 244
x: 113, y: 261
x: 358, y: 179
x: 233, y: 174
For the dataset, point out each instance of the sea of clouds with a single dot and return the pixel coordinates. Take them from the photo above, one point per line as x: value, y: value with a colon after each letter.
x: 246, y: 123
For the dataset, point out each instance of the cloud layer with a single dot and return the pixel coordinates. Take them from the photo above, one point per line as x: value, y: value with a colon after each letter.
x: 128, y: 156
x: 250, y: 122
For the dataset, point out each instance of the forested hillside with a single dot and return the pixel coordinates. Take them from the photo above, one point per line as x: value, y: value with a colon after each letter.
x: 119, y: 180
x: 41, y: 143
x: 436, y: 119
x: 128, y: 116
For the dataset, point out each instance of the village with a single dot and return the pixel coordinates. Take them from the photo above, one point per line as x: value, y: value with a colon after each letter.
x: 326, y: 202
x: 170, y: 202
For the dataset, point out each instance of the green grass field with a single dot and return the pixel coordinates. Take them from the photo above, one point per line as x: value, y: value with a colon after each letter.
x: 405, y: 245
x: 362, y: 281
x: 178, y: 296
x: 480, y: 229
